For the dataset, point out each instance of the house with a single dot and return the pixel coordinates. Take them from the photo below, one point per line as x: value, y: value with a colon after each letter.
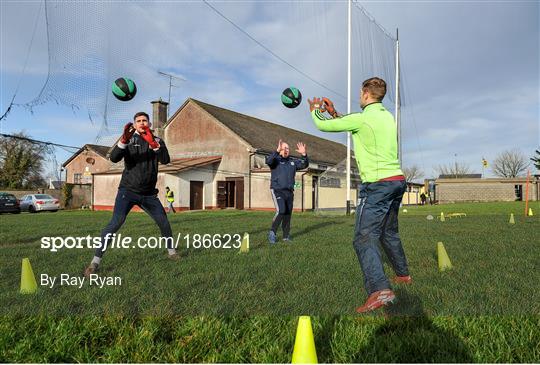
x: 218, y: 161
x: 412, y: 194
x: 55, y: 184
x: 89, y: 159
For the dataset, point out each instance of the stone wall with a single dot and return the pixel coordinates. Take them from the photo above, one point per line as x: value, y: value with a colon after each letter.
x: 483, y: 190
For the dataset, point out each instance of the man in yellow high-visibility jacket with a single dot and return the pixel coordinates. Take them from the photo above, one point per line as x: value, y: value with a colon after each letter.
x: 170, y: 199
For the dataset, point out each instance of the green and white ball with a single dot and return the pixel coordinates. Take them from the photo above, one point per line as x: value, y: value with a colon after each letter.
x: 124, y: 89
x: 291, y: 97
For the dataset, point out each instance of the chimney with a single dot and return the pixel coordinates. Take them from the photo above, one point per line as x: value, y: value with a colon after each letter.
x: 159, y: 116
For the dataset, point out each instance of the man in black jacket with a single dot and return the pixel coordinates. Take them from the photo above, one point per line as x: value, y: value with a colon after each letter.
x: 141, y: 152
x: 283, y: 170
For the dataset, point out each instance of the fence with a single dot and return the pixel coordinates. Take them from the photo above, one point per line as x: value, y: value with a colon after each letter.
x: 81, y: 195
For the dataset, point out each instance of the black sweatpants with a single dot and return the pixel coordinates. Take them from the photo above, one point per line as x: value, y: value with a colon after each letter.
x: 283, y: 200
x: 125, y: 200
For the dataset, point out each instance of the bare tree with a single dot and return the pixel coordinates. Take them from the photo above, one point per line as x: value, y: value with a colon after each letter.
x: 455, y: 169
x: 54, y: 168
x: 412, y: 173
x: 510, y: 163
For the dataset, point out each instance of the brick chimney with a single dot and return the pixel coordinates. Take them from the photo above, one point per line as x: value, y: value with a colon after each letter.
x: 159, y: 116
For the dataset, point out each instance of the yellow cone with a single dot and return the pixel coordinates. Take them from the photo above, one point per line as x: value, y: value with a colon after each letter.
x: 530, y: 212
x: 442, y: 217
x: 244, y: 247
x: 28, y: 280
x: 512, y: 221
x: 444, y: 260
x: 304, y: 345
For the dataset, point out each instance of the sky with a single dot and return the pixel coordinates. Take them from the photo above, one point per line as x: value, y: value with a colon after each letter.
x: 470, y: 69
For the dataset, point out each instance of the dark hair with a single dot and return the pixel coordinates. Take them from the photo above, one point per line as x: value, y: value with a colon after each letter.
x: 138, y: 114
x: 376, y: 87
x: 166, y: 187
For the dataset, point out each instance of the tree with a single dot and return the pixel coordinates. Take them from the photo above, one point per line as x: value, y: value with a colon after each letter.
x: 455, y: 169
x: 536, y: 160
x: 510, y: 163
x: 21, y: 162
x: 412, y: 173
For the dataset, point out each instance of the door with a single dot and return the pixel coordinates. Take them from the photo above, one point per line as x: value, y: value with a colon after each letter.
x: 234, y: 192
x: 195, y: 195
x: 222, y: 194
x: 231, y: 186
x: 25, y: 202
x: 314, y: 190
x: 518, y: 189
x: 240, y: 193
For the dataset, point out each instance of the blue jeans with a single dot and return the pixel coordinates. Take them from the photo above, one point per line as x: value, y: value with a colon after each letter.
x: 377, y: 222
x: 125, y: 200
x: 283, y: 201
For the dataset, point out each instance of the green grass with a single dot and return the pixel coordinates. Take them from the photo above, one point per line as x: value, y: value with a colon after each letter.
x: 269, y: 339
x: 216, y: 305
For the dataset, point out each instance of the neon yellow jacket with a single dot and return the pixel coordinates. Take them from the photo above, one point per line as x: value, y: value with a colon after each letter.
x: 170, y: 196
x: 374, y: 134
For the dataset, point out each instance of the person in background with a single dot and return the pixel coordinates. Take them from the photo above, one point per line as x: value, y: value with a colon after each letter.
x: 170, y: 199
x: 283, y: 170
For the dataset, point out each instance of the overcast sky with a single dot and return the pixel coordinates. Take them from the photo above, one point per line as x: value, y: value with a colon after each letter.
x: 470, y: 69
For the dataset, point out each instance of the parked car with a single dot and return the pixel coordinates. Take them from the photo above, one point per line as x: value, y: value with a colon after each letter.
x: 9, y: 203
x: 39, y: 202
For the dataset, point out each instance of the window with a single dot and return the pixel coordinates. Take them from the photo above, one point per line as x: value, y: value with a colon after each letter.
x: 77, y: 178
x: 259, y: 161
x: 329, y: 182
x: 8, y: 197
x: 43, y: 196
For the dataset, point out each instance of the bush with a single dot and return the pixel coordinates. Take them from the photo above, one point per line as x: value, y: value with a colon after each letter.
x: 67, y: 194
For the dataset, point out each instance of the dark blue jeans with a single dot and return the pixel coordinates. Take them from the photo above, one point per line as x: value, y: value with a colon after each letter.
x: 283, y: 201
x: 125, y: 200
x: 377, y: 223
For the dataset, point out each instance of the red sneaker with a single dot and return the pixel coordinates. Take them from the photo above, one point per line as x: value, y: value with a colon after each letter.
x: 376, y: 300
x: 402, y: 279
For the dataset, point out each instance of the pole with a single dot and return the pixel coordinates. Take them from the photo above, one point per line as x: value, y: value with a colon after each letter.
x: 397, y: 106
x: 527, y: 193
x: 349, y: 108
x: 455, y: 165
x: 170, y: 85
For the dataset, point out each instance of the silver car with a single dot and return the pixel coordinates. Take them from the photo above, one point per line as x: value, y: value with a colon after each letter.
x: 39, y: 202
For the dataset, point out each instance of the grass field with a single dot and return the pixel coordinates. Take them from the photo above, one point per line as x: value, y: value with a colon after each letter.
x: 216, y: 305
